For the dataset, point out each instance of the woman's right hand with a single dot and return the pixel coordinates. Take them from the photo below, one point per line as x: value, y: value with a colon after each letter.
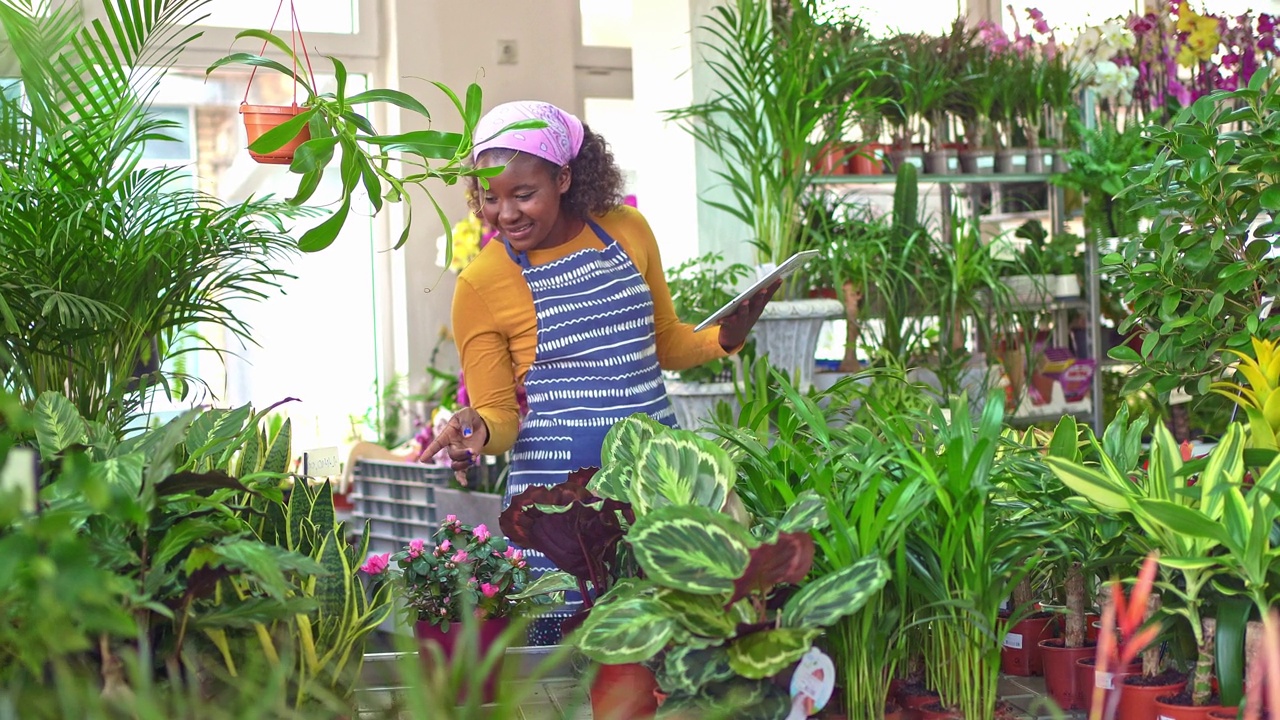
x: 464, y: 436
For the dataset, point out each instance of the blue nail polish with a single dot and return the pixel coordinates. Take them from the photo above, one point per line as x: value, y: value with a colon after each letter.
x: 466, y: 432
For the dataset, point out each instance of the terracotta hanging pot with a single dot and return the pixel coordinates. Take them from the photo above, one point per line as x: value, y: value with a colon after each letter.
x: 624, y: 692
x: 259, y: 119
x: 1138, y: 696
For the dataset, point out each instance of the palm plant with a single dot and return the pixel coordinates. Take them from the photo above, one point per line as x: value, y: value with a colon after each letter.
x: 105, y: 263
x: 778, y: 87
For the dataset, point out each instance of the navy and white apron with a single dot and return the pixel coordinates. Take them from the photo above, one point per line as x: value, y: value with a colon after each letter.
x: 595, y: 363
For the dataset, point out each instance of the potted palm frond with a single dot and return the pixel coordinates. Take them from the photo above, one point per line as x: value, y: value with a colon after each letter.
x: 329, y: 123
x: 777, y: 86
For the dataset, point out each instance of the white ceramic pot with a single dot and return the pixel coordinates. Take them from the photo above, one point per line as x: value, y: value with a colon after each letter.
x: 695, y: 403
x: 787, y: 334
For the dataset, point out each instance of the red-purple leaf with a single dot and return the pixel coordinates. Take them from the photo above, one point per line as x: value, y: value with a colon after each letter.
x: 784, y: 562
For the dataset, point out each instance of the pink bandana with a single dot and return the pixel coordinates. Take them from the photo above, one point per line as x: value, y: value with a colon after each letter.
x: 558, y: 142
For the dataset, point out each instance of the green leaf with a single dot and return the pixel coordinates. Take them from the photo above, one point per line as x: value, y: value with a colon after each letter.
x: 680, y: 467
x: 313, y: 155
x: 807, y: 512
x: 431, y: 144
x: 547, y: 584
x: 769, y: 652
x: 322, y: 236
x: 1270, y: 198
x: 691, y: 548
x: 1182, y: 520
x: 243, y: 58
x: 181, y: 536
x: 686, y: 669
x: 830, y: 597
x: 58, y: 424
x: 282, y: 134
x: 1092, y: 485
x: 626, y: 631
x: 395, y: 97
x: 122, y: 473
x: 620, y: 455
x: 1233, y: 618
x: 702, y: 615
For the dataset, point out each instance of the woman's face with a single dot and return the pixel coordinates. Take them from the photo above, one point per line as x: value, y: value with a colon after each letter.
x: 523, y: 203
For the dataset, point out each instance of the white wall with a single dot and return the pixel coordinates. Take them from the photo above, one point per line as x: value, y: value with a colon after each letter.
x: 456, y: 43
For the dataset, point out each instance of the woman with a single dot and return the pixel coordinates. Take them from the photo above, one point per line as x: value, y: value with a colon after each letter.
x: 572, y: 304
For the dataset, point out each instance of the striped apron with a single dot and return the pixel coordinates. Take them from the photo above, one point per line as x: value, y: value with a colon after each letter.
x: 595, y: 363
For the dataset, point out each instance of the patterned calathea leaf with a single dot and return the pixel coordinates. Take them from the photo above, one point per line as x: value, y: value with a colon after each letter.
x: 827, y: 599
x: 736, y: 699
x: 702, y: 615
x: 786, y: 561
x: 627, y: 631
x: 680, y: 467
x: 768, y: 652
x: 691, y: 548
x: 808, y: 512
x: 687, y: 669
x: 620, y: 455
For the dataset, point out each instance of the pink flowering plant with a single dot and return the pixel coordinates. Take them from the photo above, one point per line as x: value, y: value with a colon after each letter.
x: 462, y: 567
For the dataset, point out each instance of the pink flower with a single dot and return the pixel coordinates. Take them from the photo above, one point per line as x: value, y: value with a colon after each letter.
x: 459, y: 557
x: 444, y: 546
x: 513, y: 553
x: 376, y: 564
x: 415, y: 548
x: 481, y: 532
x: 450, y: 519
x: 472, y: 581
x: 488, y: 590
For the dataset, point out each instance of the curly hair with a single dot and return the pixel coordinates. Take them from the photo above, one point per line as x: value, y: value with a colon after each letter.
x: 596, y: 185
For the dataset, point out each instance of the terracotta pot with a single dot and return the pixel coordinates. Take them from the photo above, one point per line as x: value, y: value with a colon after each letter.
x: 832, y: 159
x: 1139, y: 701
x: 258, y: 119
x: 624, y: 692
x: 429, y: 634
x: 1021, y: 652
x: 1225, y: 714
x: 1169, y: 711
x: 1060, y: 673
x: 935, y: 711
x: 893, y: 712
x: 868, y: 159
x: 911, y: 699
x: 1088, y: 678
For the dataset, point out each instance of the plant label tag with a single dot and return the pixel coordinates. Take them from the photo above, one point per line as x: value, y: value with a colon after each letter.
x: 811, y: 684
x: 18, y: 477
x: 1104, y: 680
x: 1013, y: 640
x: 321, y: 462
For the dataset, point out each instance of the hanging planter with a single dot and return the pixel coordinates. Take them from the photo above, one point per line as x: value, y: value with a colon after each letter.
x: 319, y: 127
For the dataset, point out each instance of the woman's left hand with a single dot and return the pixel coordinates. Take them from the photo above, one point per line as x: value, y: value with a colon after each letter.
x: 735, y: 327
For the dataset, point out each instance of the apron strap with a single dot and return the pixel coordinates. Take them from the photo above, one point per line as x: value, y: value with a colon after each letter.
x: 522, y: 258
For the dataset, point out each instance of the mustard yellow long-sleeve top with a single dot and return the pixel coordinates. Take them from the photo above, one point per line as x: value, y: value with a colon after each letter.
x: 497, y: 333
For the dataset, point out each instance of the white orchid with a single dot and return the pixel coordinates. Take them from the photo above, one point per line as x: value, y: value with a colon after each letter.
x: 1114, y: 82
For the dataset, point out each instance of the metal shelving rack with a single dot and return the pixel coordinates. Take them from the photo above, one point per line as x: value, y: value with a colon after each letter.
x: 1091, y: 302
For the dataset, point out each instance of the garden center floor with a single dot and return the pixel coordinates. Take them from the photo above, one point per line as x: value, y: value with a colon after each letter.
x: 560, y: 697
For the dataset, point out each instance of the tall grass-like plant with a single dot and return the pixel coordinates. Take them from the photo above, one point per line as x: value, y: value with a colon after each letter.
x: 969, y: 552
x: 105, y: 263
x: 778, y: 89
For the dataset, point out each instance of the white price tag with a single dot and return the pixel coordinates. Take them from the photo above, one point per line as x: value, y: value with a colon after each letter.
x: 812, y: 684
x: 1013, y: 640
x: 321, y: 463
x: 1104, y: 680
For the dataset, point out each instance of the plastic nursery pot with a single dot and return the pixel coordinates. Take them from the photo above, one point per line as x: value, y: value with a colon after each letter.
x: 1225, y: 714
x: 1060, y: 673
x: 1138, y: 696
x: 831, y: 160
x: 935, y: 711
x: 259, y: 119
x: 490, y: 630
x: 1179, y: 707
x: 624, y: 692
x: 867, y: 159
x: 912, y: 697
x: 1088, y: 678
x: 1020, y: 654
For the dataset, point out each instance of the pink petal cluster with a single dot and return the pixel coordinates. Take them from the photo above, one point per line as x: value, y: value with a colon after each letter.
x: 488, y: 589
x: 415, y: 548
x: 459, y: 557
x: 376, y: 564
x: 481, y: 533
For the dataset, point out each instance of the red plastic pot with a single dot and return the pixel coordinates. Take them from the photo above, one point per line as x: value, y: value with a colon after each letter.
x: 912, y: 698
x: 258, y: 119
x: 1168, y: 711
x: 868, y: 159
x: 429, y: 634
x: 1021, y: 652
x: 832, y: 159
x: 935, y: 711
x: 624, y: 692
x: 1139, y: 701
x: 1088, y: 678
x: 1060, y: 673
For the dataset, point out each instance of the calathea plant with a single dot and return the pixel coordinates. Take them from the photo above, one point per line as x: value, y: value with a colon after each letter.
x: 717, y: 612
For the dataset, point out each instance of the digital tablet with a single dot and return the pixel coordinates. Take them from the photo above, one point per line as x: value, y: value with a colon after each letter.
x: 788, y: 266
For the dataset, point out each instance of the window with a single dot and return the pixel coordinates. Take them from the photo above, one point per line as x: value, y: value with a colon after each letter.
x: 315, y: 338
x: 606, y: 23
x: 320, y: 16
x: 893, y: 16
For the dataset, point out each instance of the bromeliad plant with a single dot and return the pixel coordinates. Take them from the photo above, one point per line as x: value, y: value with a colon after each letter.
x: 1129, y: 617
x: 339, y: 123
x: 1260, y: 399
x: 715, y: 612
